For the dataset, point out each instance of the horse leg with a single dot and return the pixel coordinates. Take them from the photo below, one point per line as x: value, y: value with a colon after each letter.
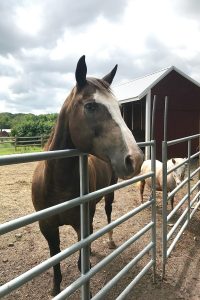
x: 172, y: 202
x: 52, y: 236
x: 142, y: 185
x: 78, y: 231
x: 108, y: 208
x: 79, y: 238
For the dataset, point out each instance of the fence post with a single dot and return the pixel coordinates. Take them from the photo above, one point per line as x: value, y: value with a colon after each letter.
x: 85, y: 223
x: 164, y: 207
x: 42, y: 141
x: 164, y: 184
x: 16, y: 142
x: 188, y: 185
x: 153, y: 207
x: 199, y: 155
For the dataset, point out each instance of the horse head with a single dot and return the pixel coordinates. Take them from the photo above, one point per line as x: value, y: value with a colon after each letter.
x: 179, y: 173
x: 96, y: 125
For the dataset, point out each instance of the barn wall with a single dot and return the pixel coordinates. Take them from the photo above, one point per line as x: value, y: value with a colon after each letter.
x: 134, y: 116
x: 183, y: 112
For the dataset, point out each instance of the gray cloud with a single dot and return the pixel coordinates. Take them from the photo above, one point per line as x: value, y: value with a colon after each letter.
x: 188, y: 8
x: 11, y: 37
x: 38, y: 79
x: 7, y: 70
x: 42, y: 76
x: 67, y: 13
x: 35, y: 101
x: 57, y: 16
x: 41, y: 63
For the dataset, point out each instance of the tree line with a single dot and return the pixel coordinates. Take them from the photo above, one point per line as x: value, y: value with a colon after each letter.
x: 27, y: 124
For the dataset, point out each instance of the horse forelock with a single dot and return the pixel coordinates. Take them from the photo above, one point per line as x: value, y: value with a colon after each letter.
x: 99, y: 84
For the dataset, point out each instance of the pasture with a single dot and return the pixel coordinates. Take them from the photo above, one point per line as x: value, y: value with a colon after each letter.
x: 18, y: 145
x: 24, y: 248
x: 12, y: 150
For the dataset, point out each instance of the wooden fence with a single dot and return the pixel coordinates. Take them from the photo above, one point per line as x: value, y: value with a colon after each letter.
x: 25, y: 141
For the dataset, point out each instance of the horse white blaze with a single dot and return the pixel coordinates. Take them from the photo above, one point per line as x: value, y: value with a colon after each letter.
x: 130, y: 146
x: 113, y: 107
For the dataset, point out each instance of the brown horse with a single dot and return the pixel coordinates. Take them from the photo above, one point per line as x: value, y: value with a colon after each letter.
x: 89, y: 120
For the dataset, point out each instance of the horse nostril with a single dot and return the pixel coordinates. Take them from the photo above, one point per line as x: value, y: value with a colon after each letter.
x: 129, y: 163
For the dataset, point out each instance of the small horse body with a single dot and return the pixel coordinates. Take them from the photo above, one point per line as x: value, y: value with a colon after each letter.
x: 173, y: 179
x: 89, y: 120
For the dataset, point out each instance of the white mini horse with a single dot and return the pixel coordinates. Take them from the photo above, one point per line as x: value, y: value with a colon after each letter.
x: 173, y: 179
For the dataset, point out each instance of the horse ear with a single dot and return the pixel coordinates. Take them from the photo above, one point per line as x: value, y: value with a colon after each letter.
x: 174, y: 161
x: 81, y: 71
x: 109, y: 77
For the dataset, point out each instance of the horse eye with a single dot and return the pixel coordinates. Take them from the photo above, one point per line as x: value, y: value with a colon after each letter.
x: 91, y: 106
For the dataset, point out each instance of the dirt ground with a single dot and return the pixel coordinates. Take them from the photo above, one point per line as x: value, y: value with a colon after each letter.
x: 22, y: 249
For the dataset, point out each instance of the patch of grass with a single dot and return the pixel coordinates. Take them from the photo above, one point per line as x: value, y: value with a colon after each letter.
x: 19, y: 150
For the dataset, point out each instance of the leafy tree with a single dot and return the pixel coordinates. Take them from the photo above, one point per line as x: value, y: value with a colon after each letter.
x: 28, y: 124
x: 5, y: 120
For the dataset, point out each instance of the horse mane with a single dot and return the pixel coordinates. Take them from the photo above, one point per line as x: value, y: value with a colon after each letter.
x: 46, y: 146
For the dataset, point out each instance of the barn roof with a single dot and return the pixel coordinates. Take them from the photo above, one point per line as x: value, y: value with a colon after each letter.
x: 136, y: 89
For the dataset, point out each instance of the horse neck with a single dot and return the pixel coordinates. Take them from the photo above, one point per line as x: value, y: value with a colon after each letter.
x: 60, y: 139
x: 63, y: 170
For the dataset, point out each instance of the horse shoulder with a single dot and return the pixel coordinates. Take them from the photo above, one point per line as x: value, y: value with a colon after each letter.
x: 100, y: 173
x: 38, y: 186
x: 92, y: 174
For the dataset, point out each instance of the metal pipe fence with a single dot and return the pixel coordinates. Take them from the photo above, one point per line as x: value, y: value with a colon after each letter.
x: 87, y: 273
x: 171, y: 237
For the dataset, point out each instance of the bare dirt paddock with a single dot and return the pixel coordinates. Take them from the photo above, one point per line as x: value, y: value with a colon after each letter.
x: 22, y: 249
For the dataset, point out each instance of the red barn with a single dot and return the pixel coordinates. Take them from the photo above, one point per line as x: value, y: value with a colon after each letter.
x: 183, y: 93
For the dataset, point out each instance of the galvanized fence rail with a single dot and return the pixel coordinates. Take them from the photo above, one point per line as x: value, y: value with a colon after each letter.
x: 83, y: 281
x: 171, y: 237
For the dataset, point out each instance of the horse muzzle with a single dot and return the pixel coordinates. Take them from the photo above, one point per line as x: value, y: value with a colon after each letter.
x: 129, y: 166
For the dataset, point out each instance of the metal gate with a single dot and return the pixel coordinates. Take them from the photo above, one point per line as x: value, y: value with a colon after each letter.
x: 83, y: 281
x: 171, y: 237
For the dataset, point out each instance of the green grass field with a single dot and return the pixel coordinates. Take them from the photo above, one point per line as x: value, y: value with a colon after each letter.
x: 9, y: 149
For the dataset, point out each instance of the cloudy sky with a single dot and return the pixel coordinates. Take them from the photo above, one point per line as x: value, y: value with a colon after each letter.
x: 41, y: 41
